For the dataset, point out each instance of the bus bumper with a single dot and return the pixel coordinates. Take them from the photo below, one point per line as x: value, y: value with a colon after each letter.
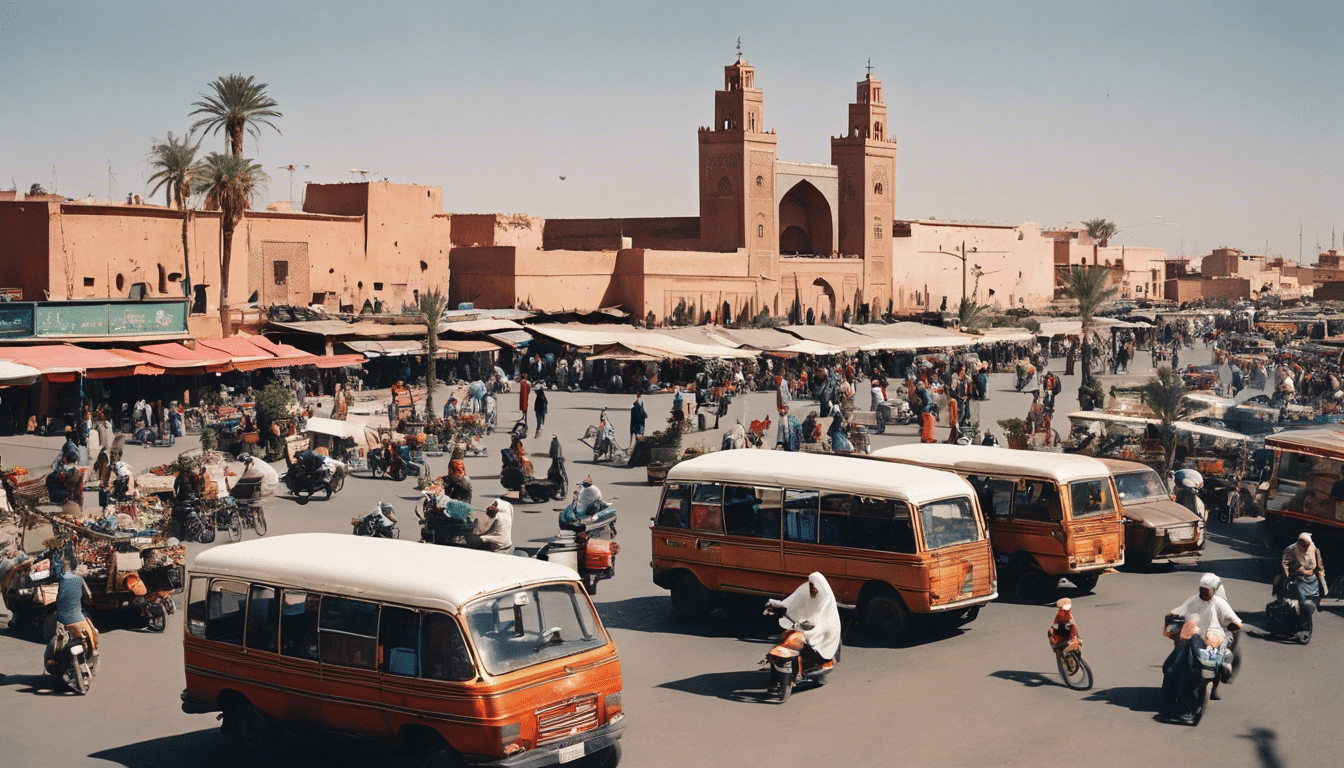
x: 593, y: 741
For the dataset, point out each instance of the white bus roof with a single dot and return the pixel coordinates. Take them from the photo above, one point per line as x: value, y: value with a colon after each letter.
x: 1060, y: 467
x: 383, y: 570
x: 1325, y: 442
x: 811, y: 471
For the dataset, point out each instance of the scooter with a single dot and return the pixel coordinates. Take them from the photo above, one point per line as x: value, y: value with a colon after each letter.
x: 513, y: 474
x: 376, y: 524
x: 1291, y: 616
x: 304, y: 483
x: 600, y: 522
x: 557, y: 479
x: 593, y: 559
x: 1204, y: 660
x: 68, y: 660
x: 387, y: 462
x: 451, y: 525
x: 786, y: 660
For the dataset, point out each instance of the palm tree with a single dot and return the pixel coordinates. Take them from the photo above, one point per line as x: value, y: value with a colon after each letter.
x: 175, y: 162
x: 1089, y: 287
x: 432, y: 306
x: 972, y: 317
x: 228, y: 183
x: 1100, y: 230
x: 1165, y: 395
x: 239, y: 103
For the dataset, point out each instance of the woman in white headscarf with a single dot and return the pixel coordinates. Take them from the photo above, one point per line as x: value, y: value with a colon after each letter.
x: 813, y: 602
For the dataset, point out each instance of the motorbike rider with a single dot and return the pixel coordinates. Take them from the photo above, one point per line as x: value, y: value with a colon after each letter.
x: 70, y: 605
x: 1207, y: 610
x: 257, y: 472
x: 386, y: 516
x: 1063, y: 629
x: 1302, y: 574
x: 1188, y: 484
x: 813, y: 603
x: 496, y: 530
x: 456, y: 484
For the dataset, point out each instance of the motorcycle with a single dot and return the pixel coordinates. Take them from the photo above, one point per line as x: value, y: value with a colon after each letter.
x: 788, y: 668
x: 304, y: 483
x: 1201, y: 660
x: 513, y: 473
x: 228, y: 519
x: 519, y: 429
x: 600, y: 522
x: 1068, y: 648
x: 195, y: 522
x: 557, y: 479
x: 1291, y: 615
x: 593, y: 559
x: 377, y: 525
x: 383, y: 461
x: 67, y: 659
x: 450, y: 525
x: 154, y: 607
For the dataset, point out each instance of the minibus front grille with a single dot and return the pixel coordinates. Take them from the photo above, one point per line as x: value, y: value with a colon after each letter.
x: 560, y: 721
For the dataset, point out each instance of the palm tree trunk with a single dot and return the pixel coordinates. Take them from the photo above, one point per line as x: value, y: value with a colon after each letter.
x: 236, y: 139
x: 432, y: 348
x: 225, y: 256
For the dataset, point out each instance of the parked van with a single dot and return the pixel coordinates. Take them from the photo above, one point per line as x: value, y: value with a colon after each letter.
x: 893, y: 541
x: 465, y: 656
x: 1050, y: 515
x: 1156, y: 527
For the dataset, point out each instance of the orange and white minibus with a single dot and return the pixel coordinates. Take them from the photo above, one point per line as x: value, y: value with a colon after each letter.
x: 892, y: 540
x: 466, y: 656
x: 1050, y: 515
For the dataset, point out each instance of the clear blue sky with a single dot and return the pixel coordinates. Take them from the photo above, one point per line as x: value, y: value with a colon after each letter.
x: 1226, y: 119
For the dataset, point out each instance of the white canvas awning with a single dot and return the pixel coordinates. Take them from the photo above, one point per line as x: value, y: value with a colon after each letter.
x: 17, y: 374
x: 908, y: 336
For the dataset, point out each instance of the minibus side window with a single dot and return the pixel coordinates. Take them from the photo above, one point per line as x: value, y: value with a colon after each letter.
x: 800, y: 516
x: 225, y: 611
x: 397, y: 642
x: 445, y: 652
x: 298, y: 624
x: 196, y: 605
x: 675, y: 511
x: 1037, y: 500
x: 348, y: 633
x: 834, y: 528
x: 707, y: 508
x: 947, y: 522
x: 1292, y: 486
x: 749, y: 511
x: 1091, y: 498
x: 996, y: 496
x: 882, y: 524
x: 263, y: 619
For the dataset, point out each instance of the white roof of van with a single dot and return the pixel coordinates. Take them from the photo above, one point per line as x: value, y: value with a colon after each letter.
x: 1060, y: 467
x: 812, y: 471
x: 385, y: 570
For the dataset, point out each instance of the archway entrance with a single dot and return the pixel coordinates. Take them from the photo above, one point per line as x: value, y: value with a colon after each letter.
x: 826, y: 301
x: 805, y: 222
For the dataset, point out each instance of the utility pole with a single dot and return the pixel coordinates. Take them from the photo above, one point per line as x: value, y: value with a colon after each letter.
x: 291, y: 168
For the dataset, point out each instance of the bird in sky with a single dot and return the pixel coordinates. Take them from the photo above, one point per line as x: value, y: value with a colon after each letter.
x: 562, y: 178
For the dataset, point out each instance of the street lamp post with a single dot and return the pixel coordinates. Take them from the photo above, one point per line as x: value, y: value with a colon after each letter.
x: 961, y: 256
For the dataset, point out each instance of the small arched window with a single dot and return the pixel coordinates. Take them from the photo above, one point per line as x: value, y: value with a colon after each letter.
x: 751, y: 122
x: 760, y: 230
x: 877, y: 228
x: 760, y: 181
x: 877, y: 188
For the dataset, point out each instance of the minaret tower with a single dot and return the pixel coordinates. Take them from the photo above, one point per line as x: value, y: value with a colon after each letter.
x: 737, y: 173
x: 866, y: 160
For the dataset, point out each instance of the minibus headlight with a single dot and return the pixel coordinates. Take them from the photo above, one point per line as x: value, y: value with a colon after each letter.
x: 509, y: 734
x: 612, y: 704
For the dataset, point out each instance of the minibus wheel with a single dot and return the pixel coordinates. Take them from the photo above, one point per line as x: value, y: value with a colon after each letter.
x: 253, y: 731
x: 1085, y: 581
x: 690, y: 599
x: 885, y: 616
x: 440, y: 755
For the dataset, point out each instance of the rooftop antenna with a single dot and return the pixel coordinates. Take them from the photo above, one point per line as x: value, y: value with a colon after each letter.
x: 870, y: 67
x: 111, y: 177
x: 739, y: 47
x: 363, y: 174
x: 292, y: 167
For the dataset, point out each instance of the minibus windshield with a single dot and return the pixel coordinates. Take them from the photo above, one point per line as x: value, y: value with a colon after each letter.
x: 522, y: 627
x: 1091, y: 498
x: 948, y: 522
x: 1144, y: 484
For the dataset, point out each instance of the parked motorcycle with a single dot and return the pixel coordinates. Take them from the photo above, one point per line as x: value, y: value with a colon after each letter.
x: 557, y: 479
x: 67, y: 659
x: 389, y: 463
x: 381, y: 523
x: 195, y: 521
x: 449, y: 523
x: 786, y: 660
x: 1201, y: 661
x: 304, y: 482
x: 513, y: 473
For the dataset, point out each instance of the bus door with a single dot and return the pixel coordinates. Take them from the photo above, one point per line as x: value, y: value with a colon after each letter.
x: 262, y: 640
x: 996, y: 501
x: 1034, y: 525
x: 347, y: 642
x: 751, y: 518
x: 301, y: 675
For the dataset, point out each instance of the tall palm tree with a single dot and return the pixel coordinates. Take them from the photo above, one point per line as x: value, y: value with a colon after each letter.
x: 175, y: 162
x: 972, y: 317
x: 1165, y: 395
x: 238, y: 103
x: 1100, y: 230
x: 432, y: 305
x: 1089, y: 286
x: 228, y: 183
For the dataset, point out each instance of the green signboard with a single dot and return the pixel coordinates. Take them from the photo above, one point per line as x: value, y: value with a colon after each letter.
x: 57, y: 319
x: 16, y: 319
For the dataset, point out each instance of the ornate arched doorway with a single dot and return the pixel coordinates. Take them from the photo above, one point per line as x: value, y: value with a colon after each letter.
x: 825, y: 301
x: 805, y: 222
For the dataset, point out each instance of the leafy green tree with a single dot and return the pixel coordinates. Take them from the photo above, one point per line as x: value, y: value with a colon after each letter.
x: 1031, y: 324
x: 1090, y: 287
x: 237, y: 104
x: 228, y: 183
x: 1101, y: 231
x: 432, y: 305
x: 1166, y: 396
x: 174, y: 164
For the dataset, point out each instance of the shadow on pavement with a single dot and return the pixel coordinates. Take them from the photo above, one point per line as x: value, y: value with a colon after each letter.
x: 739, y: 685
x: 1029, y: 679
x: 209, y: 749
x: 654, y: 614
x: 1265, y: 750
x: 1135, y: 699
x: 38, y: 685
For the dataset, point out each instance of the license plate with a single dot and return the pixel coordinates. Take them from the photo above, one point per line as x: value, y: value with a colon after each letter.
x: 571, y: 753
x: 1180, y: 534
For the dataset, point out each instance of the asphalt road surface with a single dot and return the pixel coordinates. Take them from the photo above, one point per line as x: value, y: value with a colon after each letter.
x: 988, y: 695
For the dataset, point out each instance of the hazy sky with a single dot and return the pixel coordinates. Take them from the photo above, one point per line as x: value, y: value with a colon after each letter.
x: 1225, y: 119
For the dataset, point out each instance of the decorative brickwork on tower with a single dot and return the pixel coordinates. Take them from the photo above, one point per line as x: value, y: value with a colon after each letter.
x: 866, y: 160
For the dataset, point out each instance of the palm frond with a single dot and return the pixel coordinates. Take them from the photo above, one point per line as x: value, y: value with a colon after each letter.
x: 175, y: 161
x: 1089, y: 286
x: 229, y: 183
x: 1100, y: 230
x: 236, y: 100
x: 972, y: 316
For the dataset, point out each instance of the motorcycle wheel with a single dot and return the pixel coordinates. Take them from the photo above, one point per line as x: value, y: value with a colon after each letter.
x: 157, y: 617
x: 206, y: 534
x: 1201, y: 701
x: 77, y: 677
x: 397, y: 473
x: 785, y: 683
x: 1076, y: 673
x: 259, y: 521
x: 235, y: 528
x: 302, y: 497
x: 375, y: 469
x: 1303, y: 637
x: 336, y: 485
